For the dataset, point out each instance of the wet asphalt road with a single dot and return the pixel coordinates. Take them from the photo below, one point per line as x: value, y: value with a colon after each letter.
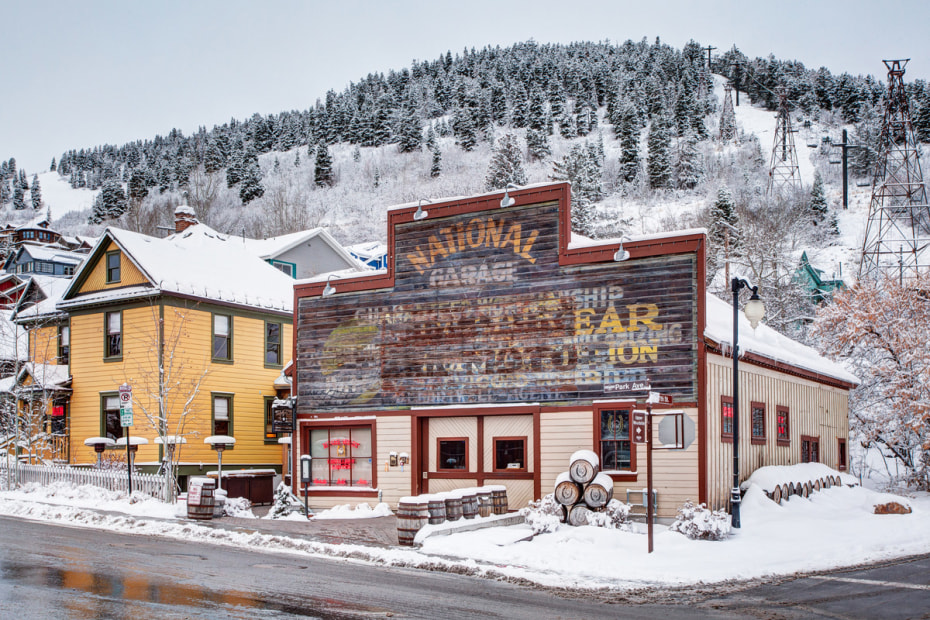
x: 50, y: 571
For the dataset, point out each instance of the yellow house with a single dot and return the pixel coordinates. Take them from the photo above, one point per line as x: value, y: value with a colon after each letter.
x: 198, y: 327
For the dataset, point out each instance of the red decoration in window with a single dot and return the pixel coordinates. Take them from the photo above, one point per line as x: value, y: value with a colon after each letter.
x: 363, y: 481
x: 341, y: 442
x: 341, y: 463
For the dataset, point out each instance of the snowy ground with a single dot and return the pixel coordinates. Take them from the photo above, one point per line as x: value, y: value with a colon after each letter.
x: 835, y: 527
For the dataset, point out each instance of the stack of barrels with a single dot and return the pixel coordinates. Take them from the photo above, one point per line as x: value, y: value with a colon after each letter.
x: 435, y: 508
x: 803, y: 489
x: 582, y: 489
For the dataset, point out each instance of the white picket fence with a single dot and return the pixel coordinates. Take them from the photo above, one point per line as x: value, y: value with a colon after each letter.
x: 150, y: 484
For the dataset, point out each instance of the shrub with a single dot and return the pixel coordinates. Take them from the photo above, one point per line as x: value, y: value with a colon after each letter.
x: 699, y: 523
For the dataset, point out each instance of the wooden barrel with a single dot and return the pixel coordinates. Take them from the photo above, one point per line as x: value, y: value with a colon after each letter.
x: 567, y: 491
x: 806, y: 489
x: 599, y: 492
x: 485, y: 505
x: 200, y: 493
x: 827, y: 481
x: 837, y: 481
x: 469, y: 503
x: 578, y: 515
x: 583, y: 466
x: 436, y: 505
x: 499, y: 499
x: 776, y: 494
x: 785, y: 492
x: 816, y: 486
x: 412, y: 514
x: 453, y: 503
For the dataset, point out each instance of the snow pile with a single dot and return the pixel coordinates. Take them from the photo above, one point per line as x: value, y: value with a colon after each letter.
x: 699, y: 523
x: 767, y: 478
x: 360, y: 511
x: 238, y: 507
x: 544, y: 515
x: 86, y: 496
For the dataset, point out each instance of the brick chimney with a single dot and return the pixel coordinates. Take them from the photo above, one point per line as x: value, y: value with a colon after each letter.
x: 184, y: 218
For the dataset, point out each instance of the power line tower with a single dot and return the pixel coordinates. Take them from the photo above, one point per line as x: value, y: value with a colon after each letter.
x: 727, y: 116
x: 784, y: 170
x: 897, y: 233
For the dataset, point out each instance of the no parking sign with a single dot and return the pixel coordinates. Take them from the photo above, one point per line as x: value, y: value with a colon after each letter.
x: 125, y: 405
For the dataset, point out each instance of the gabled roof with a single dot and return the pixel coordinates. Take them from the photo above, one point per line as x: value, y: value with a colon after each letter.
x: 40, y: 297
x: 40, y: 222
x: 275, y: 246
x: 50, y: 253
x: 197, y: 263
x: 766, y: 343
x: 46, y: 376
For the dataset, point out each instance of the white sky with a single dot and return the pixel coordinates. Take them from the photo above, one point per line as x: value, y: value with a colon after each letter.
x: 80, y: 74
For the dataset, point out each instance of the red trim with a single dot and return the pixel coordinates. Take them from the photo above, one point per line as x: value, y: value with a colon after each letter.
x: 460, y: 473
x: 841, y: 452
x: 760, y: 360
x: 303, y: 430
x: 537, y: 455
x: 756, y: 440
x: 725, y: 437
x: 494, y: 441
x: 480, y: 446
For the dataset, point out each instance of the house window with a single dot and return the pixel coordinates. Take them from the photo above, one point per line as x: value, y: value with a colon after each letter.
x: 841, y: 454
x: 64, y: 345
x: 114, y: 340
x: 113, y: 267
x: 726, y: 418
x: 272, y: 344
x: 43, y: 267
x: 222, y: 414
x: 452, y: 453
x: 341, y: 456
x: 270, y: 435
x: 222, y: 337
x: 109, y: 413
x: 781, y: 426
x: 58, y: 424
x: 757, y: 418
x: 287, y: 268
x: 615, y: 447
x: 810, y: 449
x: 510, y: 454
x: 68, y: 270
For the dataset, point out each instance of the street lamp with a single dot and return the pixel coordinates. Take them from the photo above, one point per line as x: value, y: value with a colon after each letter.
x: 755, y: 310
x: 220, y: 443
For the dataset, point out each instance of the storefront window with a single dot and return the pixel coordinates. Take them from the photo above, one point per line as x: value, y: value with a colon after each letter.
x: 453, y: 453
x: 510, y: 454
x: 341, y: 456
x: 615, y: 439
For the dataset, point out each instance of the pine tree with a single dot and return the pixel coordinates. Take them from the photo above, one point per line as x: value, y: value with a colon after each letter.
x: 357, y: 154
x: 820, y: 212
x: 323, y: 168
x: 137, y: 186
x: 537, y: 117
x: 581, y: 167
x: 689, y: 166
x: 234, y: 164
x: 658, y: 163
x: 506, y: 164
x: 464, y: 128
x: 431, y: 138
x: 19, y: 201
x: 724, y: 223
x: 537, y: 142
x: 629, y: 144
x: 411, y: 131
x: 519, y: 113
x: 251, y: 186
x: 922, y: 120
x: 213, y: 159
x: 110, y: 202
x: 436, y: 167
x: 53, y: 167
x: 36, y: 193
x: 297, y: 159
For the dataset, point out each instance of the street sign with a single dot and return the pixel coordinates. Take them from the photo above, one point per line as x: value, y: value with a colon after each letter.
x: 627, y: 386
x: 638, y: 427
x: 656, y: 397
x: 125, y: 405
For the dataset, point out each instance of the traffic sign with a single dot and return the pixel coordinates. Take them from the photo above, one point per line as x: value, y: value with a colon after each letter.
x: 125, y: 405
x: 638, y: 427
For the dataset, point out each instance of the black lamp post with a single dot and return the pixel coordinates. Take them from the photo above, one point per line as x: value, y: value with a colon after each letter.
x: 755, y: 310
x: 305, y: 477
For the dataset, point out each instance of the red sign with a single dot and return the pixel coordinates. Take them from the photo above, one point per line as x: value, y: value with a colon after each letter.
x: 665, y: 399
x: 638, y: 427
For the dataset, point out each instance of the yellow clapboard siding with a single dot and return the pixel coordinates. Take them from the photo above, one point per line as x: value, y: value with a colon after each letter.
x: 96, y: 280
x: 187, y: 361
x: 43, y: 344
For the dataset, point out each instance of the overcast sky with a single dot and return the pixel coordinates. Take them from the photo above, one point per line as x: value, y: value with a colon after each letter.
x: 80, y: 74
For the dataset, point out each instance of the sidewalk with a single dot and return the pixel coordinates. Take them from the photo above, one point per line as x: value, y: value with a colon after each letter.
x: 376, y: 531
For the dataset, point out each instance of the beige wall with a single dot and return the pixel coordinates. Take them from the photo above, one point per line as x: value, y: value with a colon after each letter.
x: 814, y: 409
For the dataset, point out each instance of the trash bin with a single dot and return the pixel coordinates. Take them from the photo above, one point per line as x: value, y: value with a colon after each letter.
x: 200, y: 498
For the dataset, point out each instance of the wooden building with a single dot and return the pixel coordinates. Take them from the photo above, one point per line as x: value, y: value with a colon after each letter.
x: 492, y: 347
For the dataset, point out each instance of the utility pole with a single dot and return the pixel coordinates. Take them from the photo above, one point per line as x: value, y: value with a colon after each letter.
x: 784, y: 168
x: 845, y: 145
x: 737, y: 79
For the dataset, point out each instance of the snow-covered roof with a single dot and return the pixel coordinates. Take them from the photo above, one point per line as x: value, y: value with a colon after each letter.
x: 37, y: 222
x: 52, y: 254
x: 368, y: 249
x: 46, y: 376
x: 766, y: 342
x: 51, y: 288
x: 198, y: 262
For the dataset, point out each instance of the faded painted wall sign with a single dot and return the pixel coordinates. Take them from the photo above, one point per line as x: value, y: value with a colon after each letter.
x: 482, y: 312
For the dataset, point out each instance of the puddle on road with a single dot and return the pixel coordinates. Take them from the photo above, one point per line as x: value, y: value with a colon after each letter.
x: 138, y: 589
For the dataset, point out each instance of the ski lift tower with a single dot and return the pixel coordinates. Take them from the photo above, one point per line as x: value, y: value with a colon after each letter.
x: 897, y: 233
x: 784, y: 171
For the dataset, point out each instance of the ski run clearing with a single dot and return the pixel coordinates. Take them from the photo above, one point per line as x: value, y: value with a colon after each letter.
x: 834, y: 527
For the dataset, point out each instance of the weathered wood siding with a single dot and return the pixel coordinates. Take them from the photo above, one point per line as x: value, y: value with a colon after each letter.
x: 482, y: 312
x: 814, y: 409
